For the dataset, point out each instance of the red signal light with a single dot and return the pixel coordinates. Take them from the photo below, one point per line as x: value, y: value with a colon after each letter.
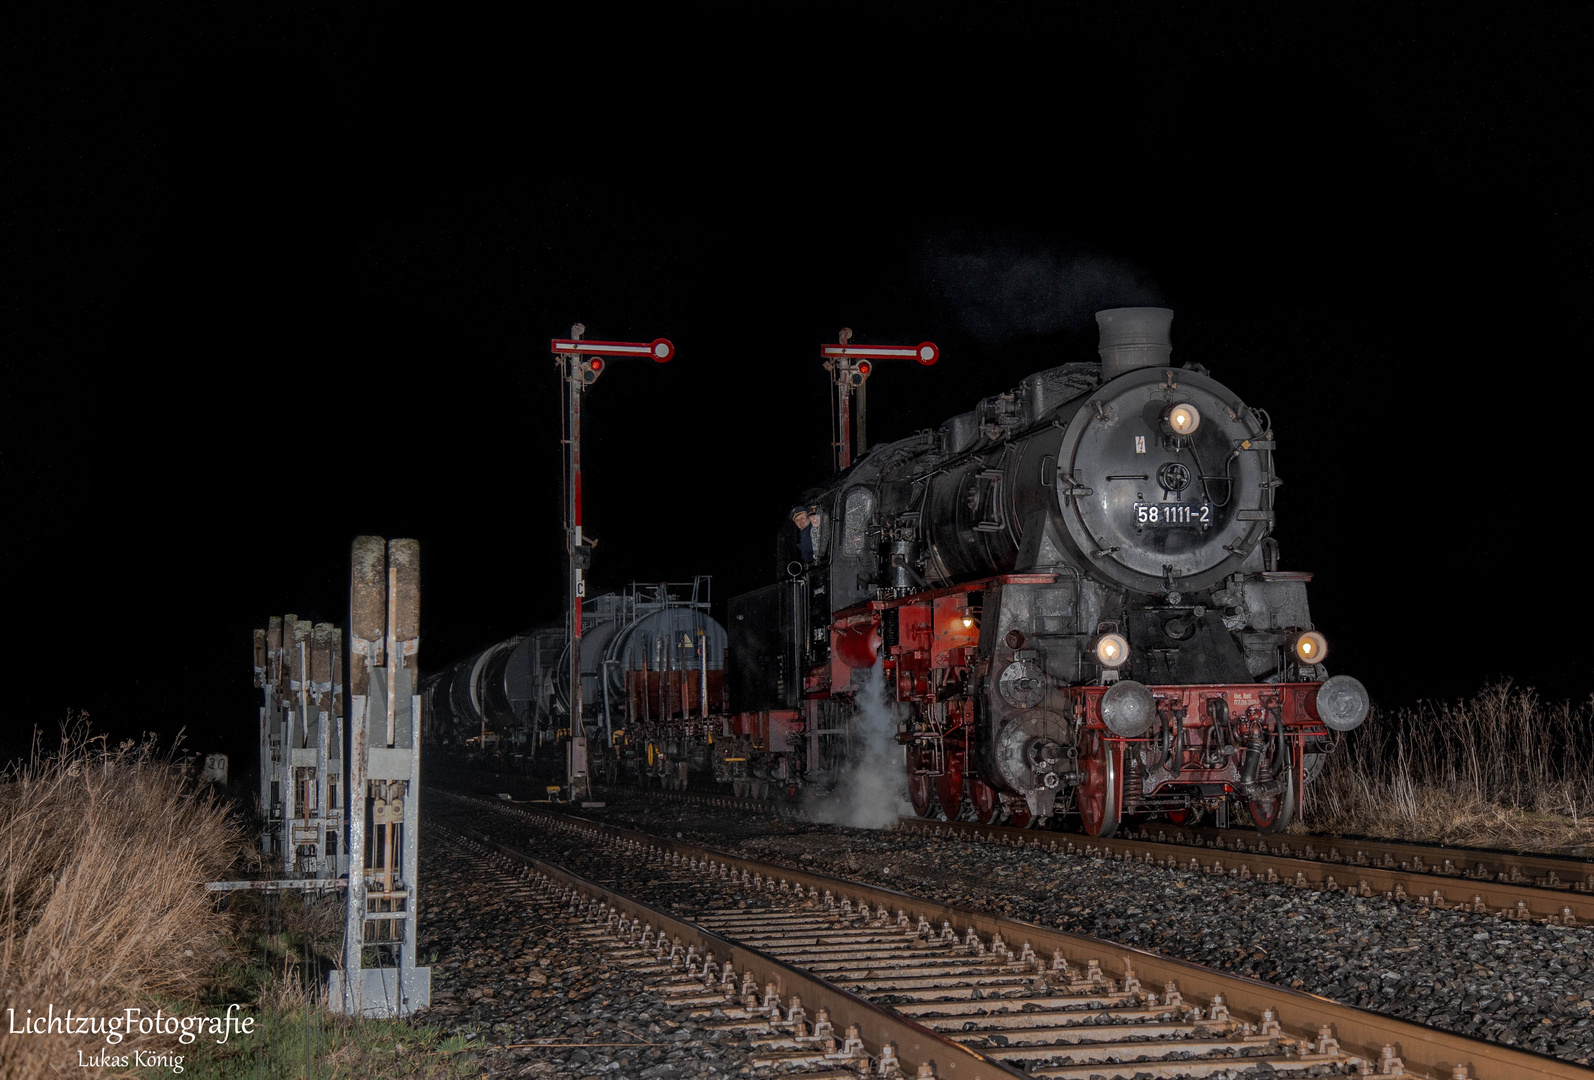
x: 864, y: 367
x: 595, y: 364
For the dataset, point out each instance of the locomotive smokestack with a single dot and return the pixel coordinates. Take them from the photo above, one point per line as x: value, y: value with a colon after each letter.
x: 1133, y: 337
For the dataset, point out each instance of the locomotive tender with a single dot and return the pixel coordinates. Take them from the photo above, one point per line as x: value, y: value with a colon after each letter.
x: 1074, y: 591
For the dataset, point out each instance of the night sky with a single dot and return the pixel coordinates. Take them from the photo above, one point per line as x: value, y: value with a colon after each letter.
x: 270, y: 286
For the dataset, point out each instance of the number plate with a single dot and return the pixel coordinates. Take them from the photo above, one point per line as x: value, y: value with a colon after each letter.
x: 1173, y: 513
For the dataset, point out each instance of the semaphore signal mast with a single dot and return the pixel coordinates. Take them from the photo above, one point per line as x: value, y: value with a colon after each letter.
x: 580, y: 364
x: 850, y: 367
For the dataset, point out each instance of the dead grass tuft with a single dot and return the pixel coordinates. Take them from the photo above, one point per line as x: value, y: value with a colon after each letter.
x: 1499, y: 769
x: 103, y: 857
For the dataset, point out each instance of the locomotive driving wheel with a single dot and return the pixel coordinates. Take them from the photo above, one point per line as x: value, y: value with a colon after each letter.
x: 949, y: 786
x: 985, y: 801
x: 918, y: 784
x: 1018, y: 812
x: 1274, y: 813
x: 1100, y: 792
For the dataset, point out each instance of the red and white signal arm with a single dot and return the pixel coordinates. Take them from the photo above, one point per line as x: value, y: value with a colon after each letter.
x: 659, y: 350
x: 925, y: 352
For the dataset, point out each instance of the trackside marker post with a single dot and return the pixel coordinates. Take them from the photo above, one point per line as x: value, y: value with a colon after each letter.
x: 580, y: 364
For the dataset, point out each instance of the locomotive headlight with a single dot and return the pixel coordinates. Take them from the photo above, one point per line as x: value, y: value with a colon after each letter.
x: 1183, y: 419
x: 1311, y: 648
x: 1111, y: 650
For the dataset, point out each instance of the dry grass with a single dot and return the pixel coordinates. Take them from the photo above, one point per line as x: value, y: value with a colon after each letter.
x: 292, y: 940
x: 103, y: 856
x: 1501, y: 769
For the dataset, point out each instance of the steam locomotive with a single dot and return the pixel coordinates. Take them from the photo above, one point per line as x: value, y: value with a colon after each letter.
x: 1073, y: 592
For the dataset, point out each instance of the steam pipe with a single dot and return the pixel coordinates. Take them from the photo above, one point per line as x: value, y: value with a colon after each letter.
x: 1253, y: 759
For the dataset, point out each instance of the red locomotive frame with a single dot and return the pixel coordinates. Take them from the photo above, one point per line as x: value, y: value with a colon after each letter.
x: 934, y: 663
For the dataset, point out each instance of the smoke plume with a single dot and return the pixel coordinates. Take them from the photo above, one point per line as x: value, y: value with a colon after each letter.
x: 1004, y: 287
x: 872, y: 790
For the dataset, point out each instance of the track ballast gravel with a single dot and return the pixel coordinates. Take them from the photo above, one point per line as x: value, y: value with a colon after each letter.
x: 538, y: 1001
x: 1521, y: 984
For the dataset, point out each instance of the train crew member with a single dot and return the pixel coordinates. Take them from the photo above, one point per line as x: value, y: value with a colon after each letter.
x: 806, y: 519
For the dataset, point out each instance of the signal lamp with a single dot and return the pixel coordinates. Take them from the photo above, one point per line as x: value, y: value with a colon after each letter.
x: 595, y: 364
x: 1311, y: 648
x: 1111, y: 650
x: 864, y: 367
x: 1183, y: 419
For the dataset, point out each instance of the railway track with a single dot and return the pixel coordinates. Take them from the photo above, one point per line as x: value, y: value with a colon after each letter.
x: 1282, y: 861
x: 1565, y: 872
x: 1546, y: 888
x: 957, y: 993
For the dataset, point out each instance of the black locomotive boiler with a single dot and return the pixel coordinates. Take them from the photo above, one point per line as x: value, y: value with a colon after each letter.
x: 1074, y: 595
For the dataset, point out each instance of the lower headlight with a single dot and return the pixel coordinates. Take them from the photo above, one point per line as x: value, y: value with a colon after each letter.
x: 1127, y: 708
x: 1111, y: 650
x: 1311, y: 648
x: 1342, y: 703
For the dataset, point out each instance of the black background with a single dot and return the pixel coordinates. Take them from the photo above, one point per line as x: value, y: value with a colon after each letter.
x: 275, y: 285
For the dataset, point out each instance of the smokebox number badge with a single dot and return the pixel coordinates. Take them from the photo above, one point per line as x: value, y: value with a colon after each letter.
x: 1173, y: 514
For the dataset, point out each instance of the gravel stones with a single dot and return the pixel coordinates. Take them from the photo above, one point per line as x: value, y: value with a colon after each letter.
x: 511, y: 968
x: 1523, y: 984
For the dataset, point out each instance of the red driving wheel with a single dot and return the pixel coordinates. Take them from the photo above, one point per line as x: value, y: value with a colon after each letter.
x: 918, y: 784
x: 949, y: 786
x: 984, y: 797
x: 1018, y: 811
x: 1100, y: 792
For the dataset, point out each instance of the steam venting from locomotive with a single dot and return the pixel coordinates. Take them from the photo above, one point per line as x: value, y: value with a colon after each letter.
x: 1006, y: 287
x: 871, y: 792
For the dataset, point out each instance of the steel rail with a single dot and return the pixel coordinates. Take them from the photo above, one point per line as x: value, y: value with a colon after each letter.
x: 1517, y: 901
x: 1398, y: 871
x: 1301, y: 1016
x: 913, y: 1044
x: 1573, y: 873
